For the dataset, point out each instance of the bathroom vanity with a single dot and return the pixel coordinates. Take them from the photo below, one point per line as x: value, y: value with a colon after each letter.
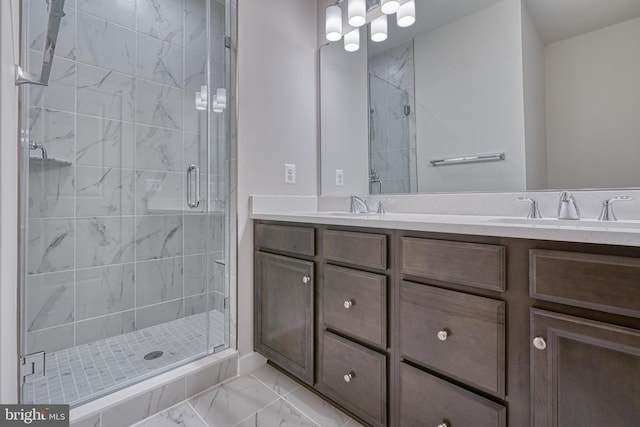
x: 402, y: 326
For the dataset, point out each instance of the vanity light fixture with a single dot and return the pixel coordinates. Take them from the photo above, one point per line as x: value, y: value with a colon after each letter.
x: 379, y: 29
x: 389, y: 7
x: 334, y: 23
x: 357, y: 12
x: 352, y: 40
x: 406, y: 15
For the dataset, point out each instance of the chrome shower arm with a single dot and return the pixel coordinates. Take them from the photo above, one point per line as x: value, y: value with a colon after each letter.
x: 56, y: 13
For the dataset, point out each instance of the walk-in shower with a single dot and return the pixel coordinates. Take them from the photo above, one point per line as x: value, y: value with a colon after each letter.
x: 124, y: 192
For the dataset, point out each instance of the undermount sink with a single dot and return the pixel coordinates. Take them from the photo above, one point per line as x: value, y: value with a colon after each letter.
x: 352, y: 214
x: 587, y: 223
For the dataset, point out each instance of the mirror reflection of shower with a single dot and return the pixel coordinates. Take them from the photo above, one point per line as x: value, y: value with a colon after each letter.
x: 392, y: 135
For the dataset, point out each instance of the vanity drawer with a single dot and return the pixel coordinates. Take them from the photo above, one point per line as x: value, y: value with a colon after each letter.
x: 355, y: 377
x: 295, y: 240
x: 355, y: 303
x: 429, y: 401
x: 472, y: 264
x: 365, y: 249
x: 600, y: 282
x: 460, y: 335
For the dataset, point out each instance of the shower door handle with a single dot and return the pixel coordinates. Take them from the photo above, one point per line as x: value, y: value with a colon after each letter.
x: 195, y: 203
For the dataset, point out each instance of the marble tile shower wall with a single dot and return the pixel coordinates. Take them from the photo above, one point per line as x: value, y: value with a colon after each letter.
x: 393, y: 133
x: 111, y: 247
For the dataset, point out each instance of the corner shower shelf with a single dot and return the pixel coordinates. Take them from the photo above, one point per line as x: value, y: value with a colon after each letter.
x: 50, y: 161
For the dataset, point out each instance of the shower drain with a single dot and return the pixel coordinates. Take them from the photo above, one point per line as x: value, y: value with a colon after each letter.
x: 153, y: 355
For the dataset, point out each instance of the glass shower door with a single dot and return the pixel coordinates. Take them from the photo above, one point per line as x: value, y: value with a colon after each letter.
x: 120, y: 252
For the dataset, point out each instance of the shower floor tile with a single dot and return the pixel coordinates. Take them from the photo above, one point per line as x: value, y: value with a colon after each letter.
x: 87, y: 371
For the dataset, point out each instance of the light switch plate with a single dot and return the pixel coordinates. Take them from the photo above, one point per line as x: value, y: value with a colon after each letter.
x: 289, y: 173
x: 339, y: 177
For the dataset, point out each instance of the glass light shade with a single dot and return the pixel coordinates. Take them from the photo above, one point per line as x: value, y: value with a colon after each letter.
x: 379, y: 29
x: 389, y: 6
x: 221, y: 96
x: 357, y: 11
x: 407, y: 14
x: 334, y: 23
x: 352, y: 40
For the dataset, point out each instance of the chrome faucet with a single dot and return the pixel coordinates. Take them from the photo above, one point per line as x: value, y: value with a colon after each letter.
x: 534, y: 210
x: 607, y: 208
x: 568, y: 208
x: 358, y: 205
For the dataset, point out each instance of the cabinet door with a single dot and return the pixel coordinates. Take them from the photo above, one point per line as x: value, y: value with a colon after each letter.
x: 284, y: 313
x: 585, y: 373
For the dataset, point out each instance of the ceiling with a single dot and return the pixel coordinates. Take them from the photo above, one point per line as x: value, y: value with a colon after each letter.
x: 555, y: 20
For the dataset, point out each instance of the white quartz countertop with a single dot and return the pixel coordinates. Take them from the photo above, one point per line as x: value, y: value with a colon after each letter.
x: 625, y: 233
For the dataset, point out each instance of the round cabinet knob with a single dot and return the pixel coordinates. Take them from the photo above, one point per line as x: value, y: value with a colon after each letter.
x: 347, y: 378
x: 306, y: 279
x: 443, y: 335
x: 444, y: 424
x: 539, y: 343
x: 348, y: 303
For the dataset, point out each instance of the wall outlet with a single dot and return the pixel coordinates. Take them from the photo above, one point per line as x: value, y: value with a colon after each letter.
x: 289, y: 173
x: 339, y: 177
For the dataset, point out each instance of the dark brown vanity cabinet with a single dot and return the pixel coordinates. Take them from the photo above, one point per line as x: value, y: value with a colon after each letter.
x: 411, y: 329
x: 585, y: 372
x: 284, y: 297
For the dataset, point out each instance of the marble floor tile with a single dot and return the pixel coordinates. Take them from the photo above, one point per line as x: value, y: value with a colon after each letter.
x: 233, y: 402
x: 321, y: 411
x: 275, y: 380
x: 181, y: 415
x: 278, y: 414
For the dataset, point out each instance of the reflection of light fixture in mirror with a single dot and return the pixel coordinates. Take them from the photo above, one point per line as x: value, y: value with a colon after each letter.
x: 389, y: 6
x: 357, y: 11
x: 407, y: 14
x: 220, y: 100
x: 334, y: 23
x: 352, y: 40
x: 379, y: 29
x: 201, y: 98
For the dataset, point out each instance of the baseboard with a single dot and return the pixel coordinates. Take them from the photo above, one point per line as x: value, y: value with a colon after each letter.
x: 250, y: 362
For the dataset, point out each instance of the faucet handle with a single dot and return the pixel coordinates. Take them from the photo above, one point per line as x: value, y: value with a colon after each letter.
x: 534, y: 211
x: 607, y: 213
x: 381, y: 209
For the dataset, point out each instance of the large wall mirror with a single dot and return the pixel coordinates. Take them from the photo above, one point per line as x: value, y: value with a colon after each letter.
x: 486, y: 95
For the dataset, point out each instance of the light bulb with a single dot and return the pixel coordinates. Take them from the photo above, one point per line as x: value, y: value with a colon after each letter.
x: 352, y: 40
x: 379, y: 29
x: 334, y: 23
x: 389, y: 6
x: 406, y: 15
x: 357, y: 11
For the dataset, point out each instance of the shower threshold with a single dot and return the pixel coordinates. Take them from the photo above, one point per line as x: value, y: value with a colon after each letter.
x: 78, y: 374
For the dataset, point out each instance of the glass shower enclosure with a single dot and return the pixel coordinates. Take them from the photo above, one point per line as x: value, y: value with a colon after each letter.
x: 124, y: 193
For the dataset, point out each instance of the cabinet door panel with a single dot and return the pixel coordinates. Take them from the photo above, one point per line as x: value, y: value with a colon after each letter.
x: 284, y: 312
x: 588, y: 374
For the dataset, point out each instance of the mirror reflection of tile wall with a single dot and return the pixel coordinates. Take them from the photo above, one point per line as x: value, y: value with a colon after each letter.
x: 392, y: 123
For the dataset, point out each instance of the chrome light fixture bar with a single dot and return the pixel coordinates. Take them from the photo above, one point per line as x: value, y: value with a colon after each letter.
x: 56, y: 13
x: 357, y: 16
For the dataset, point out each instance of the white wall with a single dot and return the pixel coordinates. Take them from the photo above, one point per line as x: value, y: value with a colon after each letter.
x: 8, y: 203
x: 469, y: 100
x: 535, y: 132
x: 593, y: 108
x: 277, y: 119
x: 343, y: 119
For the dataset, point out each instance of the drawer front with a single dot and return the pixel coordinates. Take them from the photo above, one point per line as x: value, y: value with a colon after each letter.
x: 471, y: 264
x: 365, y: 249
x: 429, y: 401
x: 364, y: 391
x: 355, y: 303
x: 601, y: 282
x: 460, y: 335
x: 296, y: 240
